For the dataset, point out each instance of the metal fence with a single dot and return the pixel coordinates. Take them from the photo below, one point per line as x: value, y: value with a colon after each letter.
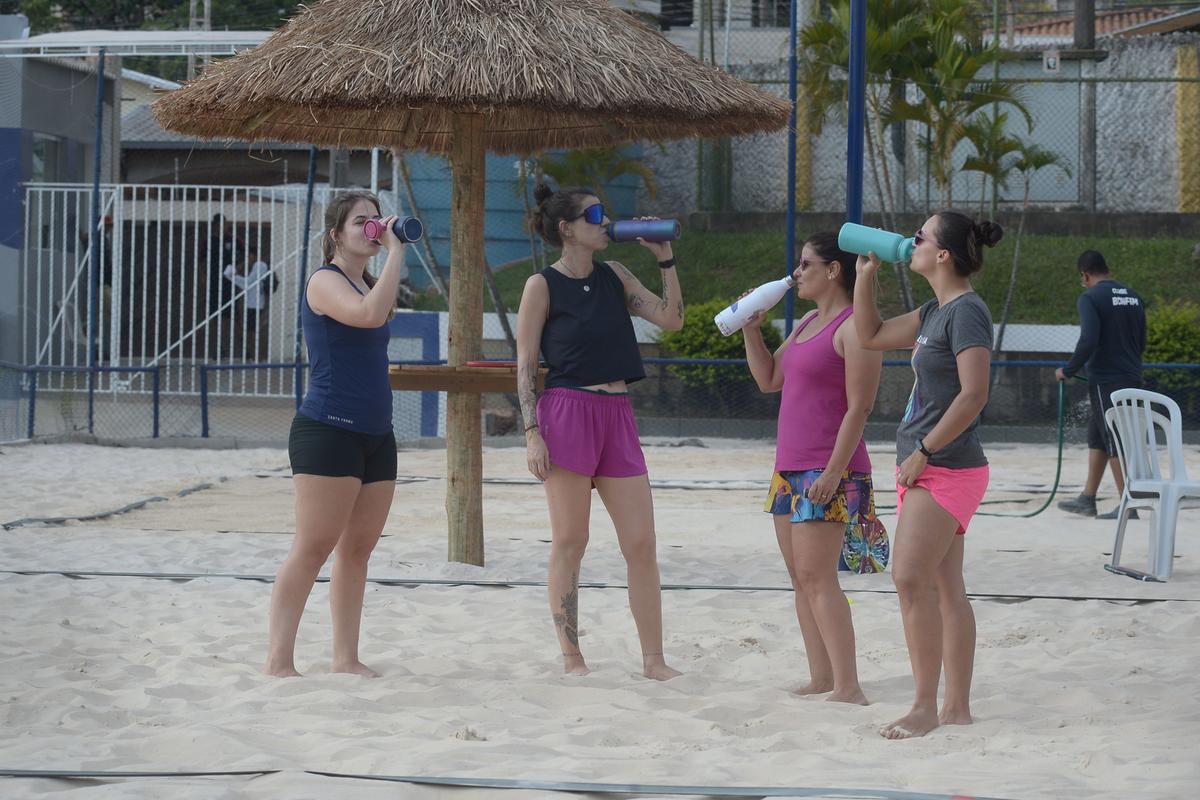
x: 1023, y: 406
x: 1125, y: 126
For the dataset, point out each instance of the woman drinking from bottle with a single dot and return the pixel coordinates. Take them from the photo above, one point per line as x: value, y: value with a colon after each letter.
x: 341, y: 446
x: 581, y: 432
x: 822, y: 480
x: 942, y: 472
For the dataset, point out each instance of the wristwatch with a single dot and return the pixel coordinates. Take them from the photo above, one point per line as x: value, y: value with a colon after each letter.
x: 925, y: 451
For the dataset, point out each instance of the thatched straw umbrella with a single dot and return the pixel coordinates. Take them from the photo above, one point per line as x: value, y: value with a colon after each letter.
x: 461, y: 77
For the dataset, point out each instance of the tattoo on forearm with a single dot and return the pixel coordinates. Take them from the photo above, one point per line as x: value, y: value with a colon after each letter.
x: 679, y: 309
x: 527, y: 393
x: 568, y: 618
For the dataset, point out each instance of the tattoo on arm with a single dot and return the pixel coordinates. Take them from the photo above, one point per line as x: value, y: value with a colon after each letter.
x: 568, y: 617
x: 527, y: 392
x: 634, y: 303
x: 679, y: 309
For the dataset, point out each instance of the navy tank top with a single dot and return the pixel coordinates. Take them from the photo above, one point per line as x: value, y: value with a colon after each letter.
x: 588, y: 337
x: 348, y: 371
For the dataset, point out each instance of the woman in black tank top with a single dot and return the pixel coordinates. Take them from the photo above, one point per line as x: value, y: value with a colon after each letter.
x: 581, y: 432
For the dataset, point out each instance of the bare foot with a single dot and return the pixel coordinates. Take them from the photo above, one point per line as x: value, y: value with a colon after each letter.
x: 914, y: 724
x: 573, y: 664
x: 854, y: 696
x: 281, y: 670
x: 813, y: 687
x: 355, y: 668
x: 955, y: 717
x: 660, y: 672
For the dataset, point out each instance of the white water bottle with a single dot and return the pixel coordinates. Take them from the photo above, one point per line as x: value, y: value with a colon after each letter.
x: 764, y: 297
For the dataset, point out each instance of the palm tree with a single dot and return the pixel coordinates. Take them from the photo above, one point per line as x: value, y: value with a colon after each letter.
x: 1030, y: 159
x: 895, y: 33
x: 993, y: 146
x: 596, y: 167
x: 950, y: 91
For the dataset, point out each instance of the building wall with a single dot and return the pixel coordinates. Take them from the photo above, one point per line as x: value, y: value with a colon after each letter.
x: 40, y: 96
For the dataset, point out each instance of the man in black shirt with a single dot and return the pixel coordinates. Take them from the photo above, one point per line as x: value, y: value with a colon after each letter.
x: 1112, y: 337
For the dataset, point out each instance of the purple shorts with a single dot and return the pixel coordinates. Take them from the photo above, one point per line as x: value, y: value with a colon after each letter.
x: 591, y: 433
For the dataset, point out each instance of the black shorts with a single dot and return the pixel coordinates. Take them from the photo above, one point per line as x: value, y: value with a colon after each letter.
x: 1100, y: 395
x: 317, y: 448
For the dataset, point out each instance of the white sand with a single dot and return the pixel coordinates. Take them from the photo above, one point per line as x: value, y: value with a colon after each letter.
x: 1073, y: 698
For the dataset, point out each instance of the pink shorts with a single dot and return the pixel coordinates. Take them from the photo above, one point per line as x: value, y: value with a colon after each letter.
x: 958, y: 491
x: 591, y: 433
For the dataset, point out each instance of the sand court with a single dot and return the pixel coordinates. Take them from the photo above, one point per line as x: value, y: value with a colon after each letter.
x: 1072, y: 698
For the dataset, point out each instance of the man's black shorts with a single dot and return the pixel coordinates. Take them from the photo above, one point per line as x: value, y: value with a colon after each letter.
x: 1100, y: 395
x: 317, y: 448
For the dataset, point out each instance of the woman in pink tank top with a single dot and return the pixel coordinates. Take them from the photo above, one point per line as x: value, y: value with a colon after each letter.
x: 821, y: 494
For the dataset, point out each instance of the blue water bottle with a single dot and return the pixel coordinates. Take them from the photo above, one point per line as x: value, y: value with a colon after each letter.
x: 652, y: 230
x: 885, y: 244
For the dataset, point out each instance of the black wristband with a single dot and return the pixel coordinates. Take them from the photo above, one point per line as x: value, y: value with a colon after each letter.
x: 532, y: 427
x: 670, y: 262
x: 925, y: 451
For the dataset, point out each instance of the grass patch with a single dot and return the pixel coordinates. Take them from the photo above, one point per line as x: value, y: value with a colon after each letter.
x: 723, y: 265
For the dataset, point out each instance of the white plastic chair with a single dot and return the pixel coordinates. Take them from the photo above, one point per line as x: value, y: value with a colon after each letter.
x: 1134, y: 421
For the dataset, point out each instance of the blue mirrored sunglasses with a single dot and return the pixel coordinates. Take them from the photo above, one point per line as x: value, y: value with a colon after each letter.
x: 593, y: 214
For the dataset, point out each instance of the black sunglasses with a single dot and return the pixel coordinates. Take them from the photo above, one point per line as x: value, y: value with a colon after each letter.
x: 920, y: 236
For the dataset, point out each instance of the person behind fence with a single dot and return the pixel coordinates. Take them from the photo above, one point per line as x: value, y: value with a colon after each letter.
x: 341, y: 446
x: 822, y: 479
x: 942, y: 472
x: 223, y: 251
x: 1112, y: 336
x: 105, y: 297
x: 581, y: 432
x: 257, y: 283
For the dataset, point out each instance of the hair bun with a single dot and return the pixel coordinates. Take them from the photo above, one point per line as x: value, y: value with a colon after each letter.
x: 542, y: 193
x: 988, y: 233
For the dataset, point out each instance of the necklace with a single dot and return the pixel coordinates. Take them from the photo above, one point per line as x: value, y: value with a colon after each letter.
x: 571, y: 272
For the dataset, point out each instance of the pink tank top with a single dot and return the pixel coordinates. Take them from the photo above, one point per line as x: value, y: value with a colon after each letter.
x: 814, y: 403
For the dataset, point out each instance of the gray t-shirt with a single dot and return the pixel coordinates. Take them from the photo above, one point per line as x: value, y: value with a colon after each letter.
x: 945, y: 332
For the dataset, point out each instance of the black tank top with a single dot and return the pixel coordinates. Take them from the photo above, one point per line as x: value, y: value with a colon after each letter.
x: 588, y: 337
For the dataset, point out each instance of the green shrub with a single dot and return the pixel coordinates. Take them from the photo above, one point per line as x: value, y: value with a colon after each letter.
x: 699, y: 338
x: 1173, y: 337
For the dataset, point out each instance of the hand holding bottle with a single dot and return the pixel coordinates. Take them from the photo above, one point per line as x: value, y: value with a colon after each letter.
x: 754, y: 321
x: 867, y: 265
x: 753, y: 304
x: 661, y: 249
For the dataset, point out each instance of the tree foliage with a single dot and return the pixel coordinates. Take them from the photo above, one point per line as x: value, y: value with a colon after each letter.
x: 1173, y: 337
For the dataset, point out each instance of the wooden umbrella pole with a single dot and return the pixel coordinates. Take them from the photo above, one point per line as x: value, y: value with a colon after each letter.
x: 464, y: 440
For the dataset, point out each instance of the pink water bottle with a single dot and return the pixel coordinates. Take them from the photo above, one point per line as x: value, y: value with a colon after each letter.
x: 407, y: 229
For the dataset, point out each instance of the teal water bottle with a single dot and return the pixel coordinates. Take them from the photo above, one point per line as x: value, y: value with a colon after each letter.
x: 885, y: 244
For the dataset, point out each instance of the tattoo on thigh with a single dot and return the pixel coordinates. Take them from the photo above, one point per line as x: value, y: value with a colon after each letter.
x: 568, y: 617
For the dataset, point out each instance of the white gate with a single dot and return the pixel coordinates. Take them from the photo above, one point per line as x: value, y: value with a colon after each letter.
x: 172, y: 285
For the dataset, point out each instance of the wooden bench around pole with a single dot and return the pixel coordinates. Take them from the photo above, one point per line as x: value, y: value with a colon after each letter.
x: 445, y: 378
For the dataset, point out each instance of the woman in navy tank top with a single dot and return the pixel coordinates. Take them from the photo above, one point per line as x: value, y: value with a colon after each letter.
x: 581, y: 432
x: 342, y: 449
x: 821, y: 493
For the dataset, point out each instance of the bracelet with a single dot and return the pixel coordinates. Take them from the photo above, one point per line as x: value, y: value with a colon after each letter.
x: 529, y: 428
x: 925, y: 451
x: 670, y: 262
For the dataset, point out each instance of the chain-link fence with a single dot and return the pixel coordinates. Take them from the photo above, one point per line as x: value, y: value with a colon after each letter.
x: 169, y: 297
x: 680, y: 398
x: 1122, y: 123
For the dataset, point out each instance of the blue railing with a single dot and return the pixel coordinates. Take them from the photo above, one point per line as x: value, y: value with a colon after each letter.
x: 33, y: 371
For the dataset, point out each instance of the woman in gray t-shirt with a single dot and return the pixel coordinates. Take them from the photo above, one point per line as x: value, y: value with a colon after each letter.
x: 941, y: 472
